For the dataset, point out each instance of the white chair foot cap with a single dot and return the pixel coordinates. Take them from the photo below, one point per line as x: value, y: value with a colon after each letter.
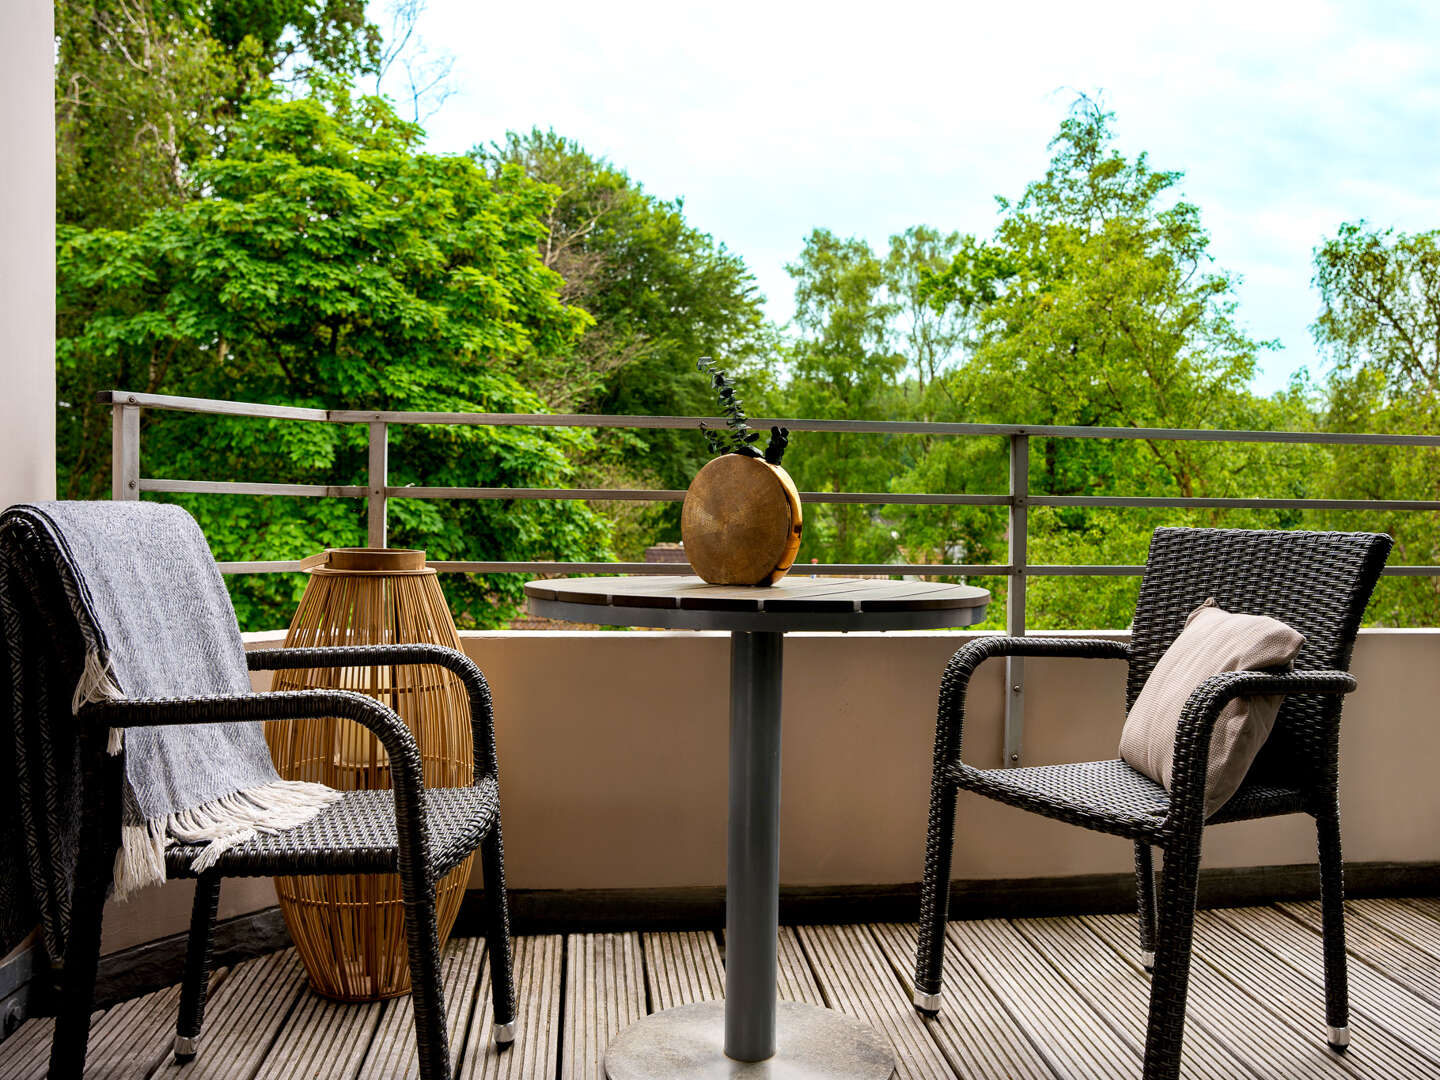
x: 505, y: 1033
x: 1147, y: 960
x: 1338, y: 1038
x: 186, y: 1046
x: 926, y: 1002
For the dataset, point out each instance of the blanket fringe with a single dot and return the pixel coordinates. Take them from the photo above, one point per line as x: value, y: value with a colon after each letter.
x: 97, y: 684
x: 219, y: 824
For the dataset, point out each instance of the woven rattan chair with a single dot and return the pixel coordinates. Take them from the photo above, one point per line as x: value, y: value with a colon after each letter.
x: 1318, y: 583
x: 417, y: 833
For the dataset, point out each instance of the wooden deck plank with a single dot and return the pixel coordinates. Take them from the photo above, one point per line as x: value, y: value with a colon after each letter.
x: 1403, y: 920
x: 323, y: 1037
x: 856, y: 979
x: 243, y: 1019
x: 1057, y: 999
x: 1271, y: 989
x: 127, y: 1042
x: 25, y: 1055
x: 392, y: 1051
x: 1074, y: 1039
x: 682, y: 967
x: 137, y: 1036
x: 797, y: 981
x: 534, y: 1054
x: 1380, y: 1001
x: 1117, y: 988
x: 1372, y: 943
x: 604, y: 994
x: 978, y: 1037
x: 1227, y: 1034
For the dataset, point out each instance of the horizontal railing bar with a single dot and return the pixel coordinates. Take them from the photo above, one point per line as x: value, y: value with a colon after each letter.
x: 216, y: 487
x: 1079, y: 570
x: 274, y: 566
x: 225, y: 487
x: 1235, y: 503
x: 876, y: 498
x: 818, y: 569
x: 499, y: 567
x: 801, y: 570
x: 881, y: 427
x: 172, y: 403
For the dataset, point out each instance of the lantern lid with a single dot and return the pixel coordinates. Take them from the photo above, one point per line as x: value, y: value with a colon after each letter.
x: 367, y: 561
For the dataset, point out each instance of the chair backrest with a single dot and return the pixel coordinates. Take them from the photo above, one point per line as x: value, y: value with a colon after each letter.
x: 1317, y: 582
x: 138, y: 581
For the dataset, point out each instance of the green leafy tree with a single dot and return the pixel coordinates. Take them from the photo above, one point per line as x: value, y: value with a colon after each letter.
x: 842, y: 365
x: 330, y: 263
x: 147, y: 89
x: 662, y: 293
x: 1379, y: 326
x: 1096, y: 304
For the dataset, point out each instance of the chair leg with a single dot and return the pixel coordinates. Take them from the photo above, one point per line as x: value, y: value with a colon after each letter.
x: 1171, y: 978
x: 1332, y: 914
x: 93, y: 872
x: 1145, y: 897
x: 427, y: 991
x: 497, y: 939
x: 935, y: 896
x: 197, y: 966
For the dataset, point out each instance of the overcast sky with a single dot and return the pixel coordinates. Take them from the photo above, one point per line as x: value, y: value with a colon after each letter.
x: 772, y: 118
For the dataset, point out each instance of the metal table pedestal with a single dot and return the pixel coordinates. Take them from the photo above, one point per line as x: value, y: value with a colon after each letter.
x: 752, y: 1037
x: 812, y: 1043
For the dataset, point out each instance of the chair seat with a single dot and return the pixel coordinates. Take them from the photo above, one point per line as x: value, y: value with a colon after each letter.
x: 356, y: 835
x: 1110, y: 796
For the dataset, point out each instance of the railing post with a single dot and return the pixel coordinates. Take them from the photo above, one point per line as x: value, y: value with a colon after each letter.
x: 125, y: 453
x: 1015, y: 596
x: 376, y: 483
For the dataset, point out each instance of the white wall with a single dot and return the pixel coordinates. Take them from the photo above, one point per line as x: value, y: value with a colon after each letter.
x: 27, y: 252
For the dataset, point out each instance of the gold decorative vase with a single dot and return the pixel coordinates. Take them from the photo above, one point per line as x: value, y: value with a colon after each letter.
x: 350, y: 929
x: 741, y: 521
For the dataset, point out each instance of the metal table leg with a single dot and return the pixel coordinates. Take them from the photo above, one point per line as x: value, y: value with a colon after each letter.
x: 752, y: 872
x: 754, y: 1039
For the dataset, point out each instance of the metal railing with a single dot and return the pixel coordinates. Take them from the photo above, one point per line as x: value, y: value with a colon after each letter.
x: 127, y: 483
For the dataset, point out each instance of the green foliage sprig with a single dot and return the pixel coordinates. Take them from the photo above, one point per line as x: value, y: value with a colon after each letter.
x: 738, y: 437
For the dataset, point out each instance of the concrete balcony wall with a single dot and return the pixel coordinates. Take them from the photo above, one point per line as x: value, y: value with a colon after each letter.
x: 613, y: 760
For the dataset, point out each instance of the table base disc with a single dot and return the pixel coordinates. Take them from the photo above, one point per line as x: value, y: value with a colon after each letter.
x: 688, y: 1043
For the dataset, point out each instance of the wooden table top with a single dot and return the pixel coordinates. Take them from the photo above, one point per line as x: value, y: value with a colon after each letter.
x: 796, y: 602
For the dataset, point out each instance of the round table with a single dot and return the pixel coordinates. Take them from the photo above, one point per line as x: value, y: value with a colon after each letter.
x: 748, y: 1036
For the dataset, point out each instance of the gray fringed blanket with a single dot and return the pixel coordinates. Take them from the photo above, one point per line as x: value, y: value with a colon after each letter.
x: 105, y: 600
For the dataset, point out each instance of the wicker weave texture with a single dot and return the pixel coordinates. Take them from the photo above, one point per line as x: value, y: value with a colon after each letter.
x: 1318, y: 583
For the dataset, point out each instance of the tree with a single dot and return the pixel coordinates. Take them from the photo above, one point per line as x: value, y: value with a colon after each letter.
x: 662, y: 294
x: 145, y: 89
x: 331, y: 263
x: 1379, y: 327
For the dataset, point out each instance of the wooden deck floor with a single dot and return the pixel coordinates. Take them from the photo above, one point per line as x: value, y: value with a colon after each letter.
x: 1027, y: 999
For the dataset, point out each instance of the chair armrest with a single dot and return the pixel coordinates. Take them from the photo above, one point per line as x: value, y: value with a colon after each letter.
x: 406, y: 774
x: 1202, y: 711
x: 482, y: 713
x: 955, y: 684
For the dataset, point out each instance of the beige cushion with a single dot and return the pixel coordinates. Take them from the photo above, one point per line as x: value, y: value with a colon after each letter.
x: 1212, y: 642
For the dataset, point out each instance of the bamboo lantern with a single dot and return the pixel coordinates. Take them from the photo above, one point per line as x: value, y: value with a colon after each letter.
x: 350, y: 929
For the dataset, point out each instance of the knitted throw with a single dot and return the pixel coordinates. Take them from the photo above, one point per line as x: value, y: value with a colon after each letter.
x: 116, y: 600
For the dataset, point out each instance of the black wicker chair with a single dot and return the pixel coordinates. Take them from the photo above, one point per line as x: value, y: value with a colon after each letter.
x: 1319, y: 583
x: 418, y: 833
